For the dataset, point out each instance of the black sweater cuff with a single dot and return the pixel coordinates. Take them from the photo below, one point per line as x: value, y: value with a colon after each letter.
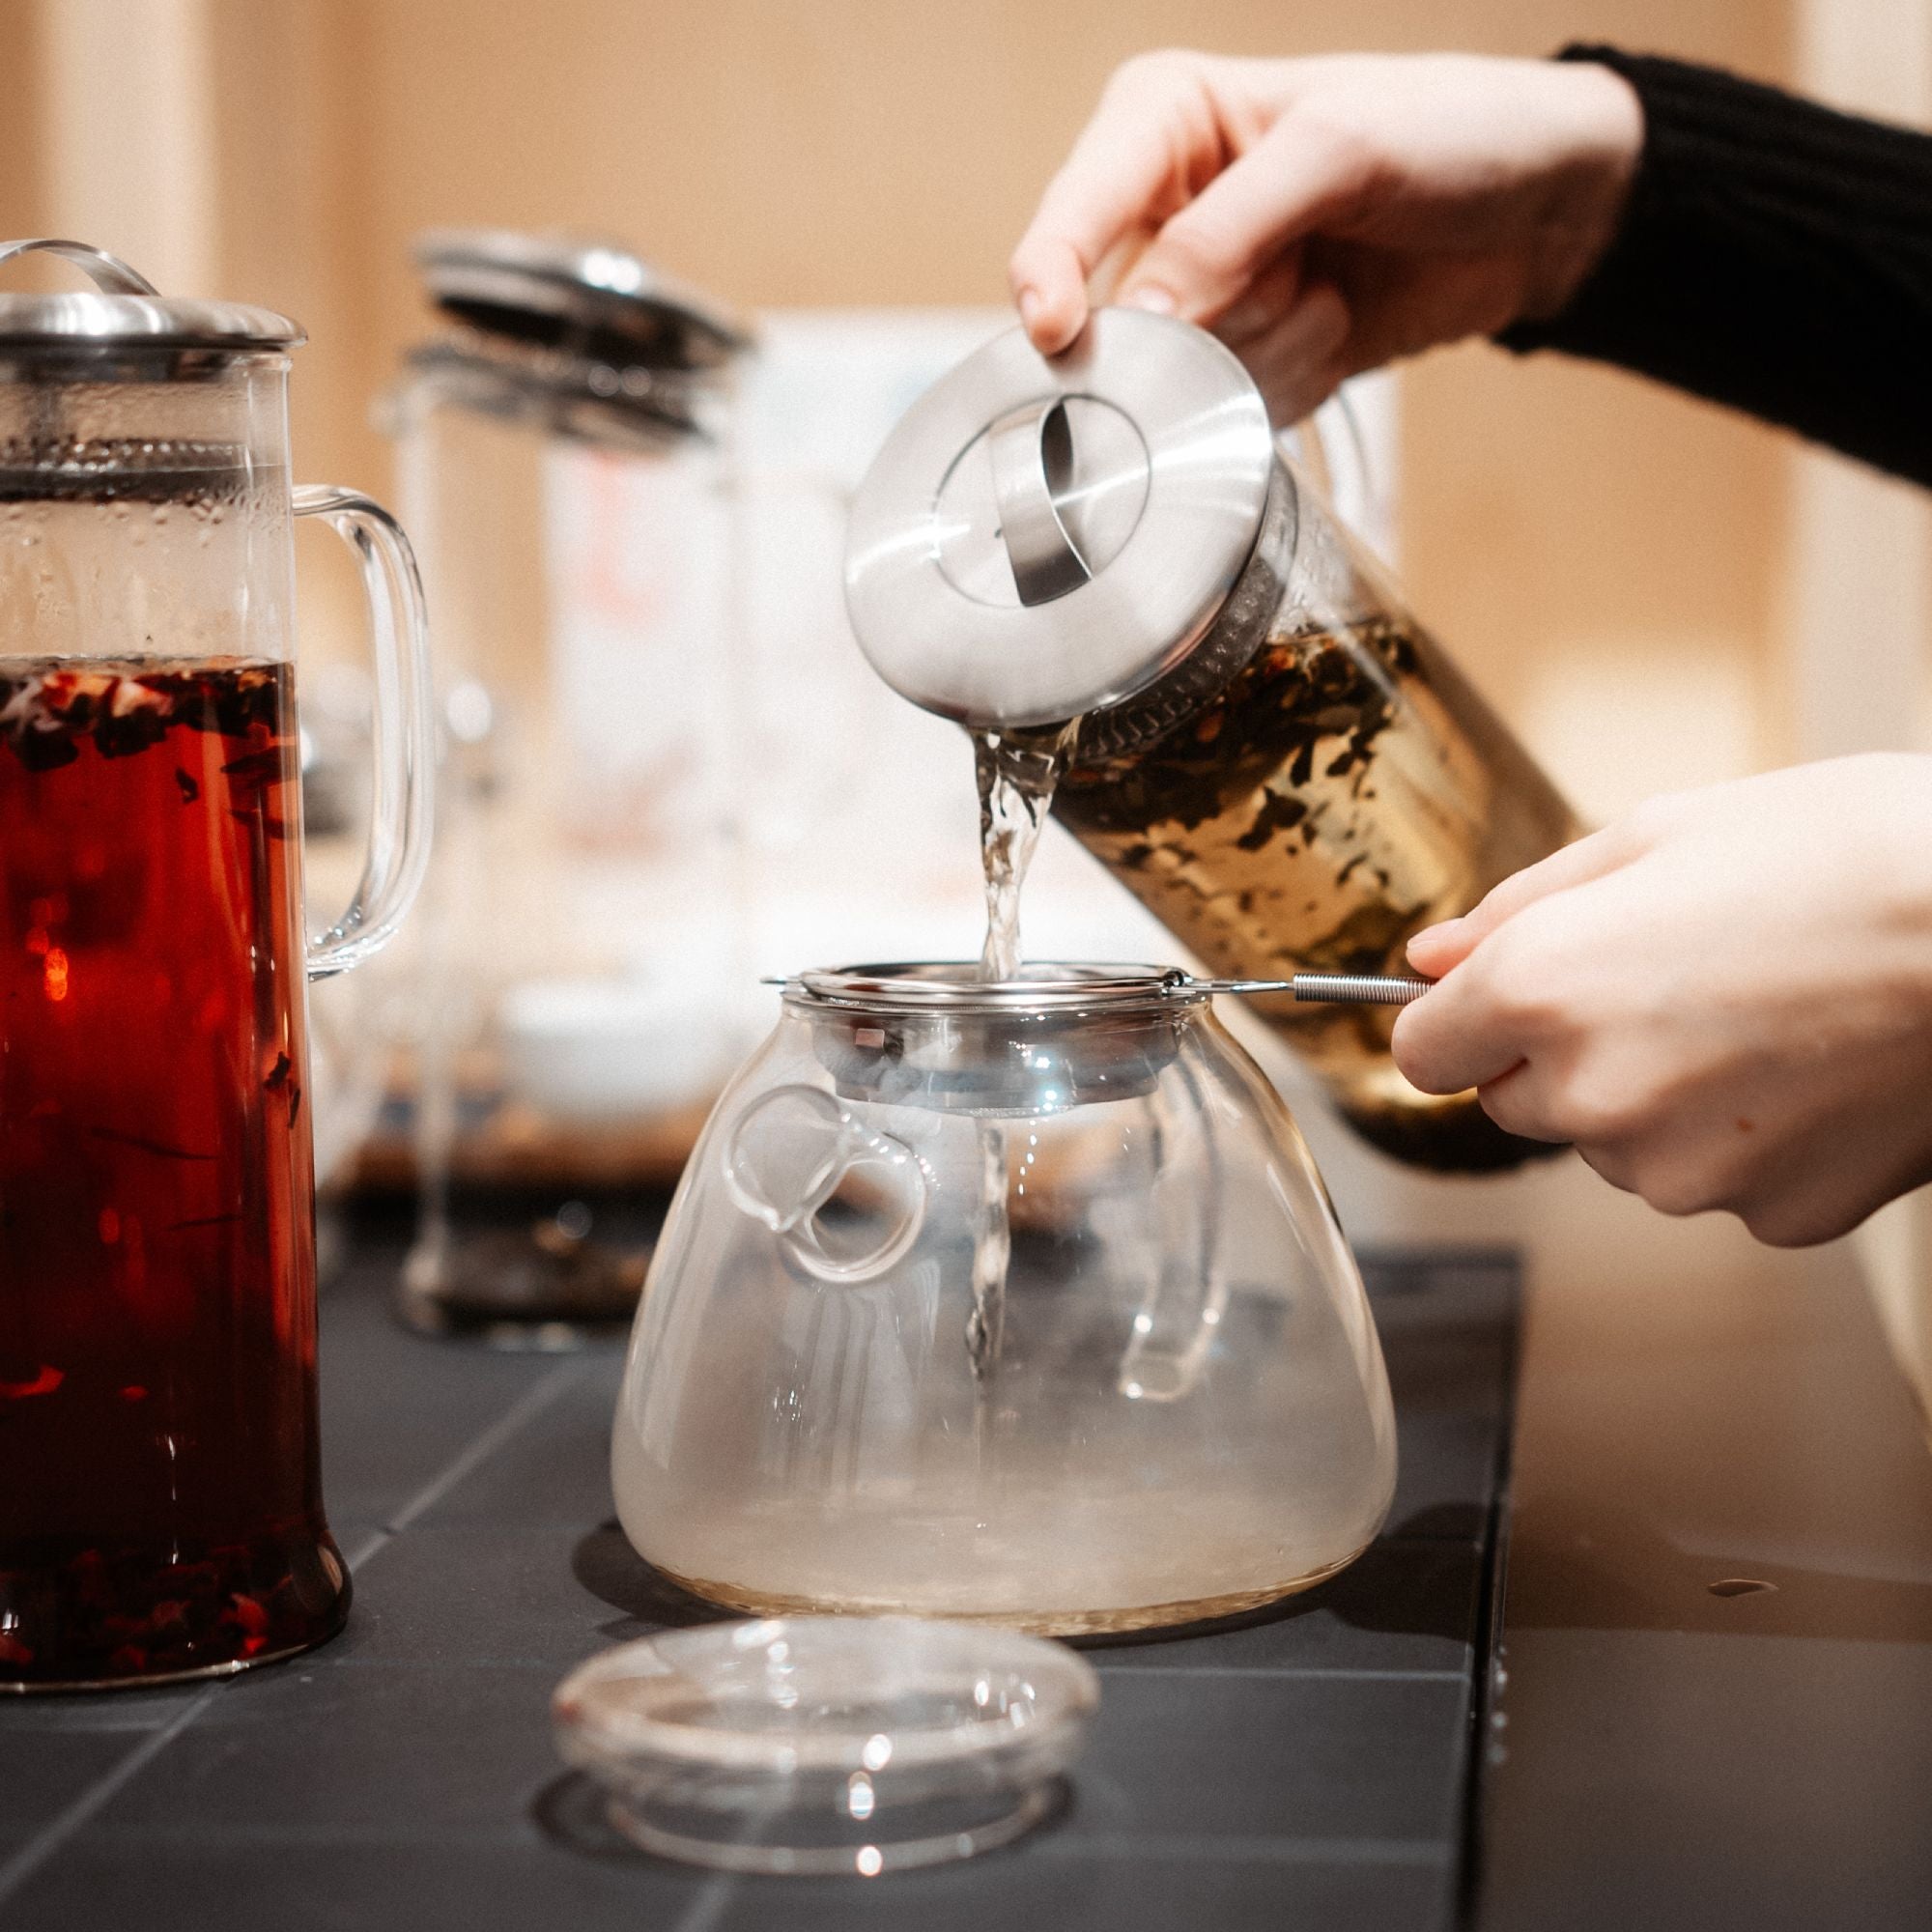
x: 1775, y: 255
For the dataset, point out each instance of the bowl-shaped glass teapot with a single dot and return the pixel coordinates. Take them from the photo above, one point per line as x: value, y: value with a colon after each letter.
x: 1021, y: 1301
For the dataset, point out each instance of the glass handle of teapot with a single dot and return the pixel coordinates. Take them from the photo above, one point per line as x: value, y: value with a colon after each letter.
x: 399, y: 815
x: 792, y: 1151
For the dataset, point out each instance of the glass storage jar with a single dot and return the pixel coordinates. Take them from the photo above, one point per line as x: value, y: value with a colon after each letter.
x: 1273, y: 755
x: 1019, y: 1301
x: 564, y: 449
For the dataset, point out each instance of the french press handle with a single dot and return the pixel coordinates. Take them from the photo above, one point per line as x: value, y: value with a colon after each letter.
x: 405, y: 732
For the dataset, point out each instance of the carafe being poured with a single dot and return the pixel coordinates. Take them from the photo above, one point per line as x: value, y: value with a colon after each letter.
x: 1271, y: 755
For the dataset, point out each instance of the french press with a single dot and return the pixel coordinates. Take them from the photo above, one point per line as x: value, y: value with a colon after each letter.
x: 162, y: 1509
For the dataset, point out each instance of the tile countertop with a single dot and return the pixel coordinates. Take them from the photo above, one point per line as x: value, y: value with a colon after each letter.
x: 1692, y: 1411
x: 1669, y: 1750
x: 1310, y: 1770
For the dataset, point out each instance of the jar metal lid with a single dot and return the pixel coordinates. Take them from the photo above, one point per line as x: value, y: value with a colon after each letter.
x: 125, y: 312
x: 1043, y: 536
x: 596, y: 299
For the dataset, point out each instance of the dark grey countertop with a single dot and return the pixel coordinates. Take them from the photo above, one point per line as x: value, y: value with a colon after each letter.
x: 1697, y: 1411
x: 1311, y: 1769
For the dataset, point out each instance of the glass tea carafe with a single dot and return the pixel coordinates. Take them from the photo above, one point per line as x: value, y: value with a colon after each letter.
x: 160, y: 1507
x: 563, y: 456
x: 1009, y: 1300
x: 1272, y: 754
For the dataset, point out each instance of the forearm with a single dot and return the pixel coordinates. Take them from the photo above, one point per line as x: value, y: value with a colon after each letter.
x: 1775, y: 256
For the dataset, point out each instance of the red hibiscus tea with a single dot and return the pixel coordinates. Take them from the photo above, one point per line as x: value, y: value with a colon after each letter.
x: 161, y: 1508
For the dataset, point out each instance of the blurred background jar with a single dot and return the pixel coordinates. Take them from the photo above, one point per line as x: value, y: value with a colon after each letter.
x: 565, y: 446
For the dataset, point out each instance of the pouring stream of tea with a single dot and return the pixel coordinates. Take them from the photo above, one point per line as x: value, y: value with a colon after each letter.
x: 1016, y: 781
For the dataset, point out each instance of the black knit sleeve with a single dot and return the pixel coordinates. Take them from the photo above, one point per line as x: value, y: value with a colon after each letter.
x: 1775, y: 256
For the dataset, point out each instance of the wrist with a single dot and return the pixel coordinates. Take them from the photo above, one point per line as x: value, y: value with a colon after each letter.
x: 1599, y: 138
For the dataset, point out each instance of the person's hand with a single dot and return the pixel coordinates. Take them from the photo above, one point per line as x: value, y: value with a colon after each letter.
x: 1724, y: 1000
x: 1323, y: 215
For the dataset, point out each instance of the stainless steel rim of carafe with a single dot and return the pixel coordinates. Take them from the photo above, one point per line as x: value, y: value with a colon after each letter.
x: 1237, y: 630
x: 571, y: 396
x: 124, y: 329
x: 124, y: 311
x: 118, y: 325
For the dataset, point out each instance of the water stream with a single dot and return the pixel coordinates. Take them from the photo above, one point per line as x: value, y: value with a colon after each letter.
x: 1016, y: 780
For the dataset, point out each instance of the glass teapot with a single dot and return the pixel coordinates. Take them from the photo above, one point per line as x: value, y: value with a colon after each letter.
x: 1271, y: 753
x: 1019, y: 1301
x: 161, y: 1513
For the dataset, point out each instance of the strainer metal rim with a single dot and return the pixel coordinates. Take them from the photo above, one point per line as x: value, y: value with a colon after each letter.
x: 1052, y: 987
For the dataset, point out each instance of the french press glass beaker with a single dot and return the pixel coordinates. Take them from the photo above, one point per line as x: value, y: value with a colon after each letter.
x: 160, y: 1512
x: 563, y: 454
x: 1273, y: 755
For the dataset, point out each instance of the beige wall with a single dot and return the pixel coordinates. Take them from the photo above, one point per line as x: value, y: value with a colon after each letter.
x: 827, y: 152
x: 889, y: 151
x: 1613, y: 562
x: 19, y: 124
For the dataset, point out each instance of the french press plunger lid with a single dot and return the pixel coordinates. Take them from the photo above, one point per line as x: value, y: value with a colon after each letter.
x: 594, y: 297
x: 123, y: 314
x: 587, y: 335
x: 1043, y: 536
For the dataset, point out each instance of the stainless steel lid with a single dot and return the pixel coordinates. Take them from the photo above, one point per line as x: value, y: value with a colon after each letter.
x: 124, y: 311
x: 595, y: 300
x: 1042, y: 537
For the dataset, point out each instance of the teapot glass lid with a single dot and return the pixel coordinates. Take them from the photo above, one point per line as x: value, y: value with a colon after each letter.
x: 830, y: 1745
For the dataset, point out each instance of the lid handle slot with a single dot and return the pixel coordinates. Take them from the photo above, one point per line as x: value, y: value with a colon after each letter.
x: 1031, y: 454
